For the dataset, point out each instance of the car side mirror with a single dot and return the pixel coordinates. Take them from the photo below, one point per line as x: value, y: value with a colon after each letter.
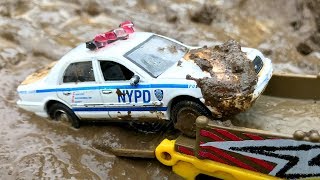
x: 134, y: 80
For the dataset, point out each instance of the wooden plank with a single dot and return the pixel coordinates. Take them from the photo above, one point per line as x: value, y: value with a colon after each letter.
x: 138, y: 153
x: 294, y: 86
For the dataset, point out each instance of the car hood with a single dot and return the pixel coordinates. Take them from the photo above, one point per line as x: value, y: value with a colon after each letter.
x: 187, y: 67
x: 183, y: 68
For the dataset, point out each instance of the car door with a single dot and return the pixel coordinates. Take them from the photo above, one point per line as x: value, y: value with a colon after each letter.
x: 79, y: 89
x: 122, y: 100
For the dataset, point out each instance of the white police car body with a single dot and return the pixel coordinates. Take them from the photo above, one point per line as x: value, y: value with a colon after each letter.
x: 133, y: 79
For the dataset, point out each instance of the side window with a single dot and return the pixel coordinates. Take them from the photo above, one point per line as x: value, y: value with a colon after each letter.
x: 113, y: 71
x: 79, y: 72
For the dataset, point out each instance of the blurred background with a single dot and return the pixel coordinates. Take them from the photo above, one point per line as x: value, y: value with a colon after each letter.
x: 35, y: 33
x: 286, y: 31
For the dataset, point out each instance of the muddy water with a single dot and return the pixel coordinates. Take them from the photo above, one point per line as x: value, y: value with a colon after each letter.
x: 35, y: 33
x: 281, y: 115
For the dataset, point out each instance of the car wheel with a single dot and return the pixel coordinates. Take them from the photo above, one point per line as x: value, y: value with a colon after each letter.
x: 184, y: 115
x: 63, y: 114
x: 148, y: 127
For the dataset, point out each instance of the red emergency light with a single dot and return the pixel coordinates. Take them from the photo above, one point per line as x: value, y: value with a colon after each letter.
x: 121, y: 33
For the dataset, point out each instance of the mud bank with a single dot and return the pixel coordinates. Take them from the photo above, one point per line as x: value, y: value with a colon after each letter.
x: 232, y: 80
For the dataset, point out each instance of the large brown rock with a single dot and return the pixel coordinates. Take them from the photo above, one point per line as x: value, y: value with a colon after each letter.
x: 232, y: 80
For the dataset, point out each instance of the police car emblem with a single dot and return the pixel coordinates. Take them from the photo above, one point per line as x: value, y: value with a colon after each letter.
x: 159, y: 94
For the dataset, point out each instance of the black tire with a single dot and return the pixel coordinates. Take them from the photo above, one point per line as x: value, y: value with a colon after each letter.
x: 62, y: 113
x: 149, y: 127
x: 184, y: 115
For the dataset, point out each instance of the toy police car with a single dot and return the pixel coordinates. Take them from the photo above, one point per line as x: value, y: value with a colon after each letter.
x: 123, y: 75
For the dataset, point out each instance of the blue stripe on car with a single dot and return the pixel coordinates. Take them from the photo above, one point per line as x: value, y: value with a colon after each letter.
x: 122, y: 109
x: 144, y: 86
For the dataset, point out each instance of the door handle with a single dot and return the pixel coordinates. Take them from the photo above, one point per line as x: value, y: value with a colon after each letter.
x: 66, y: 93
x: 106, y: 91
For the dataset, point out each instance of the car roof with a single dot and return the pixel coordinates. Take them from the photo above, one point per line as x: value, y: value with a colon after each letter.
x: 117, y: 48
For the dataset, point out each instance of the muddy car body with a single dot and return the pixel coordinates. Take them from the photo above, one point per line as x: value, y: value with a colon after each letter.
x: 140, y: 78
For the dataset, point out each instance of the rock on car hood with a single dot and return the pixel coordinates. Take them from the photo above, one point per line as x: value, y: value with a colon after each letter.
x: 222, y: 72
x: 184, y: 67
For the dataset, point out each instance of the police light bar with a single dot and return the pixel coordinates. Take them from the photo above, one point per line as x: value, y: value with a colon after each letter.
x: 127, y: 26
x: 121, y: 33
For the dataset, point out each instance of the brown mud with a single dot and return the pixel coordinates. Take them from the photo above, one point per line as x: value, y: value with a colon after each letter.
x: 232, y: 80
x: 35, y: 33
x: 120, y: 93
x: 311, y: 43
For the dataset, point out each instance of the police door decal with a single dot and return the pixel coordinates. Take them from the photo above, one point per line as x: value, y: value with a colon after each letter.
x: 133, y: 96
x: 159, y: 94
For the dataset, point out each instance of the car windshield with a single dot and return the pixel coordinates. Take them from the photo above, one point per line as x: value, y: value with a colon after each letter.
x: 156, y: 54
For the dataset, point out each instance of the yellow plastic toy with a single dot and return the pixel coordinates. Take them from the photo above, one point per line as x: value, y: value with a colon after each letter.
x: 241, y: 153
x: 189, y: 167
